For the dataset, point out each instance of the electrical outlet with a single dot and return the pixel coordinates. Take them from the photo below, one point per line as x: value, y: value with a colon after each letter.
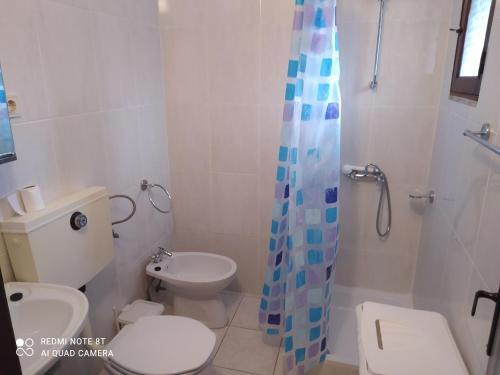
x: 14, y: 106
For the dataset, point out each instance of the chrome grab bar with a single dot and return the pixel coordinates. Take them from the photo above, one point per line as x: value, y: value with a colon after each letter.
x: 376, y: 65
x: 145, y: 185
x: 482, y: 137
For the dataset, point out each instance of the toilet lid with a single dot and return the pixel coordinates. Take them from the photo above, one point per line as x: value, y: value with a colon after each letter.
x: 160, y: 345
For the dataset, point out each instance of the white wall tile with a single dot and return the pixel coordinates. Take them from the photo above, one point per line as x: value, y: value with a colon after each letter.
x: 147, y: 56
x: 175, y: 13
x: 86, y: 73
x: 464, y: 176
x: 234, y: 132
x: 68, y: 59
x: 185, y: 57
x: 21, y: 60
x: 235, y: 208
x: 37, y: 161
x: 230, y: 13
x: 487, y: 257
x: 276, y: 13
x: 80, y: 149
x: 406, y: 132
x: 145, y: 12
x: 120, y: 135
x: 191, y: 205
x: 114, y: 61
x: 233, y: 64
x: 121, y: 8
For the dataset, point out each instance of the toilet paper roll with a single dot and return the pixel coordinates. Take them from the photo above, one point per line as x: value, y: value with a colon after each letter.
x: 16, y: 204
x: 32, y: 198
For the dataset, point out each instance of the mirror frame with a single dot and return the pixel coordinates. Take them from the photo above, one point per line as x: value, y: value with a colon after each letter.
x: 7, y: 157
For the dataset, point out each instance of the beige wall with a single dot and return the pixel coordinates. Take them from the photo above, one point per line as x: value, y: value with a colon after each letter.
x: 460, y: 247
x: 225, y: 70
x: 226, y: 66
x: 89, y: 77
x: 393, y: 128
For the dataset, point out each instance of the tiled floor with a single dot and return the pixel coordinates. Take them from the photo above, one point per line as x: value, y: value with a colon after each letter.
x: 240, y: 347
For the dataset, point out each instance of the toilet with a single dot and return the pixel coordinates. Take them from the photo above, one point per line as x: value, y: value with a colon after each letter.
x: 394, y: 340
x: 161, y: 345
x: 152, y: 344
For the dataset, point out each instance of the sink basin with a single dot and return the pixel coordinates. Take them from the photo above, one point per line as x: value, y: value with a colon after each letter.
x: 40, y: 312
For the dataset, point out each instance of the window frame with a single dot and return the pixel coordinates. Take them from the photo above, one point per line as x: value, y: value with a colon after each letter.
x: 469, y: 87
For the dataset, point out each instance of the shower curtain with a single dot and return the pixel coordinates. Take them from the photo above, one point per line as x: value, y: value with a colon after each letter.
x: 297, y: 291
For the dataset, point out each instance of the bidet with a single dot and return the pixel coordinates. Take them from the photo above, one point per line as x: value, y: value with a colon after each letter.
x: 196, y: 279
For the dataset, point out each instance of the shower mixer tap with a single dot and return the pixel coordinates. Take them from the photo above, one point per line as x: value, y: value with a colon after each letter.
x: 372, y: 172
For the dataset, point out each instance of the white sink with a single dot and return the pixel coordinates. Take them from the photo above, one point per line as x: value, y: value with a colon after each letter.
x: 45, y: 311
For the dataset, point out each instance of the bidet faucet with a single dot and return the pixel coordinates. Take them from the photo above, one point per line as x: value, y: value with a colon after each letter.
x: 158, y: 257
x: 162, y: 251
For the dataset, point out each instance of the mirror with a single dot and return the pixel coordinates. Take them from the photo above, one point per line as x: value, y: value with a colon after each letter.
x: 7, y: 150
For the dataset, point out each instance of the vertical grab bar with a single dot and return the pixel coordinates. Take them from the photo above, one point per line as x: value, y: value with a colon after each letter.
x: 374, y: 82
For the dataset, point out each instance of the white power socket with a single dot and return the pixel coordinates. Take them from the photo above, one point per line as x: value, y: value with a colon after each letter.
x: 14, y: 106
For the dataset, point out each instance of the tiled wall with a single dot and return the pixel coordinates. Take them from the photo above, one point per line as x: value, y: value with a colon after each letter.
x: 460, y: 247
x: 89, y: 77
x: 393, y: 128
x: 226, y: 66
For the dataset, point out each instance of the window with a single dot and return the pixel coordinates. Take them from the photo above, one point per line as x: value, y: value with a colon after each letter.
x: 472, y: 47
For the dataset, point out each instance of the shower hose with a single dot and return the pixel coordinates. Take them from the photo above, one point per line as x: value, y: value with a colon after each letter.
x: 384, y: 191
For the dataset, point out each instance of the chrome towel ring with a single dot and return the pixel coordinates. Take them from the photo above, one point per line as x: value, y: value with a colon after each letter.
x: 145, y: 185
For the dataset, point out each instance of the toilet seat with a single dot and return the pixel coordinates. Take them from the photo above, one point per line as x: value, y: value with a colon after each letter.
x: 161, y: 345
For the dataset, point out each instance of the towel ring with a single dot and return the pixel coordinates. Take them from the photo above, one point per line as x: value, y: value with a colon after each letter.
x: 145, y: 185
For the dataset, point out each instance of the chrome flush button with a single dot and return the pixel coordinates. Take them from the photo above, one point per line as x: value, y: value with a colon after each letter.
x: 78, y: 221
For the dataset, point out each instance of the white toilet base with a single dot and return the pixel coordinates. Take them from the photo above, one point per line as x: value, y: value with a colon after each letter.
x: 211, y: 312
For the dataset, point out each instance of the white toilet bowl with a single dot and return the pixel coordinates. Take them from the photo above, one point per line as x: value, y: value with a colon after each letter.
x: 196, y: 279
x: 161, y: 345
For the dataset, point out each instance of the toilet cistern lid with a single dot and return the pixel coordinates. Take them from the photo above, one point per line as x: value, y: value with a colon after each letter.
x: 160, y: 345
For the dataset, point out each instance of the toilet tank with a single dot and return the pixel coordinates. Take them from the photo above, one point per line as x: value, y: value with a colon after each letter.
x: 66, y: 243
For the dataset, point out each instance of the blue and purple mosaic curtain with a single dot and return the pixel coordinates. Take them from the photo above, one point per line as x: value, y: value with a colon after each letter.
x: 297, y: 291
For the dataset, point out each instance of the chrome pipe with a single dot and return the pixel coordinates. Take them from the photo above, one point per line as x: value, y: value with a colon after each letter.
x: 376, y: 65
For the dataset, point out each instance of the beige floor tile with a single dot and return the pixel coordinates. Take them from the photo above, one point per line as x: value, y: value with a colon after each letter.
x: 220, y: 334
x: 232, y: 300
x: 247, y: 315
x: 243, y: 350
x: 214, y: 370
x: 279, y: 369
x: 334, y: 368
